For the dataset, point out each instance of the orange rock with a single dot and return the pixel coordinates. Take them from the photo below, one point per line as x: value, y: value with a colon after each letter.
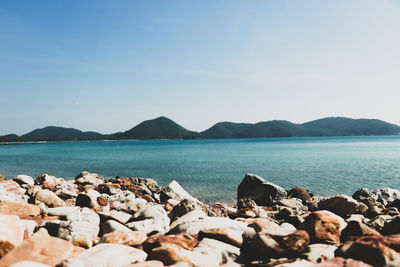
x: 40, y: 248
x: 183, y: 240
x: 11, y: 229
x: 227, y: 235
x: 128, y: 238
x: 322, y: 227
x: 147, y: 264
x: 11, y: 186
x: 16, y: 208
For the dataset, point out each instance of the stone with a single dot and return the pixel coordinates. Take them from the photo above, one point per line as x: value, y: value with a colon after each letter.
x: 392, y: 227
x: 261, y: 191
x: 269, y: 227
x: 341, y: 205
x: 384, y: 195
x: 128, y: 238
x: 118, y: 216
x: 75, y: 222
x: 175, y: 190
x: 146, y: 264
x: 87, y: 178
x: 133, y: 205
x: 341, y: 262
x: 320, y: 252
x: 21, y: 209
x: 395, y: 204
x: 322, y: 227
x: 296, y: 263
x: 23, y: 179
x: 224, y: 252
x: 182, y: 240
x: 29, y: 264
x: 40, y: 248
x: 300, y: 193
x: 9, y: 186
x: 109, y: 188
x: 227, y: 235
x: 111, y: 226
x: 110, y: 255
x: 355, y: 228
x: 379, y: 222
x: 371, y: 250
x: 293, y: 203
x: 49, y: 198
x: 11, y: 229
x: 185, y: 206
x: 150, y: 220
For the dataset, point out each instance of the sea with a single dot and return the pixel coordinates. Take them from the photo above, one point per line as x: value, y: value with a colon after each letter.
x: 212, y: 169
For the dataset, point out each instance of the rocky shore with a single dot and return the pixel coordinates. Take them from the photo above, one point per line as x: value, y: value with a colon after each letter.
x: 93, y: 221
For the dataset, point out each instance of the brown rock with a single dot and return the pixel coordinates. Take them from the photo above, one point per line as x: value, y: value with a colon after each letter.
x: 169, y: 255
x: 341, y: 262
x: 392, y: 241
x: 2, y: 178
x: 300, y: 193
x: 183, y: 240
x: 322, y: 227
x: 21, y: 209
x: 128, y: 238
x: 355, y: 228
x: 295, y: 243
x: 11, y: 229
x: 148, y: 198
x: 40, y: 248
x: 392, y: 227
x: 5, y: 247
x: 370, y: 249
x: 227, y: 235
x: 102, y: 201
x: 108, y: 188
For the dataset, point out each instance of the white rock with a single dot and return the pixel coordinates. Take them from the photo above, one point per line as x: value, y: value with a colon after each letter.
x: 29, y: 264
x: 175, y: 190
x: 24, y: 179
x: 223, y: 251
x: 111, y: 226
x: 318, y: 251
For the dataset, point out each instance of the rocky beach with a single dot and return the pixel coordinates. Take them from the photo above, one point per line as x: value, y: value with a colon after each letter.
x: 126, y: 221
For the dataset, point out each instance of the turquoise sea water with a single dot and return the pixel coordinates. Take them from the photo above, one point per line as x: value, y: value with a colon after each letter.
x: 211, y: 170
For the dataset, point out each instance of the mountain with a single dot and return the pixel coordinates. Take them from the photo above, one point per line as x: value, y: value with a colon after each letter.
x: 346, y: 127
x: 159, y: 128
x: 164, y: 128
x: 53, y: 133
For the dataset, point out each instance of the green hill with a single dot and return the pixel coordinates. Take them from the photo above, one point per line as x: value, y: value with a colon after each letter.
x: 159, y: 128
x: 53, y: 133
x: 225, y: 130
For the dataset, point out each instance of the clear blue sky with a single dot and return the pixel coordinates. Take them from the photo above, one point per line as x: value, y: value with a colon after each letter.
x: 108, y: 65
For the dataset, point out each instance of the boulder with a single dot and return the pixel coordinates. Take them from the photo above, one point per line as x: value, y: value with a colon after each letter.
x: 49, y: 198
x: 320, y: 252
x: 392, y: 227
x: 128, y: 238
x: 183, y: 240
x: 87, y: 178
x: 40, y: 248
x: 227, y: 235
x: 371, y: 250
x: 21, y: 209
x: 185, y: 206
x: 323, y: 227
x: 384, y: 195
x: 175, y: 190
x: 355, y: 228
x: 300, y: 193
x: 110, y: 255
x: 12, y: 187
x: 224, y: 252
x: 23, y: 179
x: 342, y: 205
x: 150, y: 220
x: 261, y: 191
x: 342, y: 262
x: 11, y: 230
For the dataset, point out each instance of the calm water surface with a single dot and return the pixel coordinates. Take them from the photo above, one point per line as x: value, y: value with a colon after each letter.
x: 212, y: 169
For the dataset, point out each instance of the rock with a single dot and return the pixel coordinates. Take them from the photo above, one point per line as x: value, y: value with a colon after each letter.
x: 77, y: 222
x: 172, y: 254
x: 371, y: 250
x: 132, y: 205
x: 22, y: 179
x: 29, y: 225
x: 67, y: 190
x: 87, y: 178
x: 118, y: 216
x: 322, y: 227
x: 261, y: 191
x: 392, y: 227
x: 293, y: 203
x: 174, y: 190
x: 225, y: 253
x: 128, y: 238
x: 16, y: 208
x: 195, y: 226
x: 110, y: 255
x: 355, y: 228
x: 146, y: 264
x: 11, y: 230
x: 111, y: 226
x: 320, y: 252
x: 373, y: 211
x: 150, y: 220
x: 227, y: 235
x: 341, y: 262
x: 384, y: 195
x: 269, y: 227
x: 185, y: 206
x: 300, y: 193
x: 109, y: 188
x: 341, y: 205
x: 355, y: 217
x: 49, y: 198
x: 183, y: 240
x: 8, y: 186
x: 40, y: 248
x: 395, y: 204
x: 29, y: 264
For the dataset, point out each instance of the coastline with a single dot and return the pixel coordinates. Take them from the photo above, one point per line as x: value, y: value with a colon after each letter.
x: 95, y: 221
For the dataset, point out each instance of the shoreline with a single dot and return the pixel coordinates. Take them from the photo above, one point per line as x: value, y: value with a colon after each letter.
x: 93, y: 221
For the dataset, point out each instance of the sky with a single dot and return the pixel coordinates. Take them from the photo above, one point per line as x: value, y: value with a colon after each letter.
x: 108, y: 65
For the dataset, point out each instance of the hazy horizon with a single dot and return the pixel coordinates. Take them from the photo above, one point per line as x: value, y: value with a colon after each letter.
x: 107, y: 66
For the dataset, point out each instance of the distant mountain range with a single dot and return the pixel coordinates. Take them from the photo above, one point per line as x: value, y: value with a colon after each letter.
x: 164, y: 128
